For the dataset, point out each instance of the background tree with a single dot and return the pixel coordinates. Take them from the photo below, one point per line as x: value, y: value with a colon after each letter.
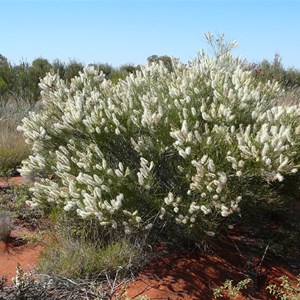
x: 38, y: 69
x: 25, y: 87
x: 5, y: 80
x: 59, y: 67
x: 72, y: 69
x: 166, y: 60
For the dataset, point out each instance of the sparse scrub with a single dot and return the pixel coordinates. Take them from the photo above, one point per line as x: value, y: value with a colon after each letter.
x: 230, y: 290
x: 287, y: 290
x: 290, y: 97
x: 288, y: 78
x: 14, y: 200
x: 34, y: 286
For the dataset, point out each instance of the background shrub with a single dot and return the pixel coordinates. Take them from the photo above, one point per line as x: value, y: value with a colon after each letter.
x: 266, y: 70
x: 13, y: 148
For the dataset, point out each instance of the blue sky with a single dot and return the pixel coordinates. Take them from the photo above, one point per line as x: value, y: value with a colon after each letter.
x: 119, y: 32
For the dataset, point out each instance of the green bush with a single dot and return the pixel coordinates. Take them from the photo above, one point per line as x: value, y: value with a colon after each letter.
x: 231, y: 290
x: 162, y: 145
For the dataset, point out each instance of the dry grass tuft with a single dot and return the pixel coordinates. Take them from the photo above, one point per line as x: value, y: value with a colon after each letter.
x: 13, y: 148
x: 5, y: 225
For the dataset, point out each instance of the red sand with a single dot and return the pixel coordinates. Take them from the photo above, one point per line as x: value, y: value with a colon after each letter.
x: 182, y: 275
x: 12, y: 254
x: 174, y: 274
x: 177, y: 275
x: 15, y: 180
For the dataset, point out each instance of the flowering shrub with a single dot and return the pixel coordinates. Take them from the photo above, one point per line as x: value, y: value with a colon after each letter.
x: 172, y: 143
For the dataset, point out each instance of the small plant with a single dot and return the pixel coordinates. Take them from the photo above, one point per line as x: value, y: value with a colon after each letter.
x: 229, y: 289
x: 36, y: 238
x: 13, y: 200
x: 6, y: 225
x: 5, y: 174
x: 286, y: 290
x: 126, y: 297
x: 22, y: 279
x: 22, y: 282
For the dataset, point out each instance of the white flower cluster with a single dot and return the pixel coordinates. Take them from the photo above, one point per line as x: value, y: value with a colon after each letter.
x: 173, y: 142
x: 144, y: 175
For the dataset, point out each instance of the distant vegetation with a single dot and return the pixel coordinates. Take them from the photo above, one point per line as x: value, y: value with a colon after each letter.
x: 266, y: 70
x: 20, y: 82
x: 20, y: 92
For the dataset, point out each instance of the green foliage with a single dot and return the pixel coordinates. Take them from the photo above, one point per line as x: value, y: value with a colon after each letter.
x: 264, y: 71
x: 287, y: 290
x: 13, y: 200
x: 165, y: 60
x: 59, y: 67
x: 115, y: 74
x: 107, y: 69
x: 128, y: 69
x: 6, y: 82
x: 25, y: 90
x: 72, y: 69
x: 20, y: 83
x: 231, y: 290
x: 38, y: 69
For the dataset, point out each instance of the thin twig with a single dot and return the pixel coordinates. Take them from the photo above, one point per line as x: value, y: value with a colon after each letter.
x: 262, y: 259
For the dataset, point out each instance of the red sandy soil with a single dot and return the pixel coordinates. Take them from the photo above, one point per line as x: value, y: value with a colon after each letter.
x: 15, y: 251
x: 177, y: 274
x: 173, y: 275
x: 191, y: 275
x: 15, y: 180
